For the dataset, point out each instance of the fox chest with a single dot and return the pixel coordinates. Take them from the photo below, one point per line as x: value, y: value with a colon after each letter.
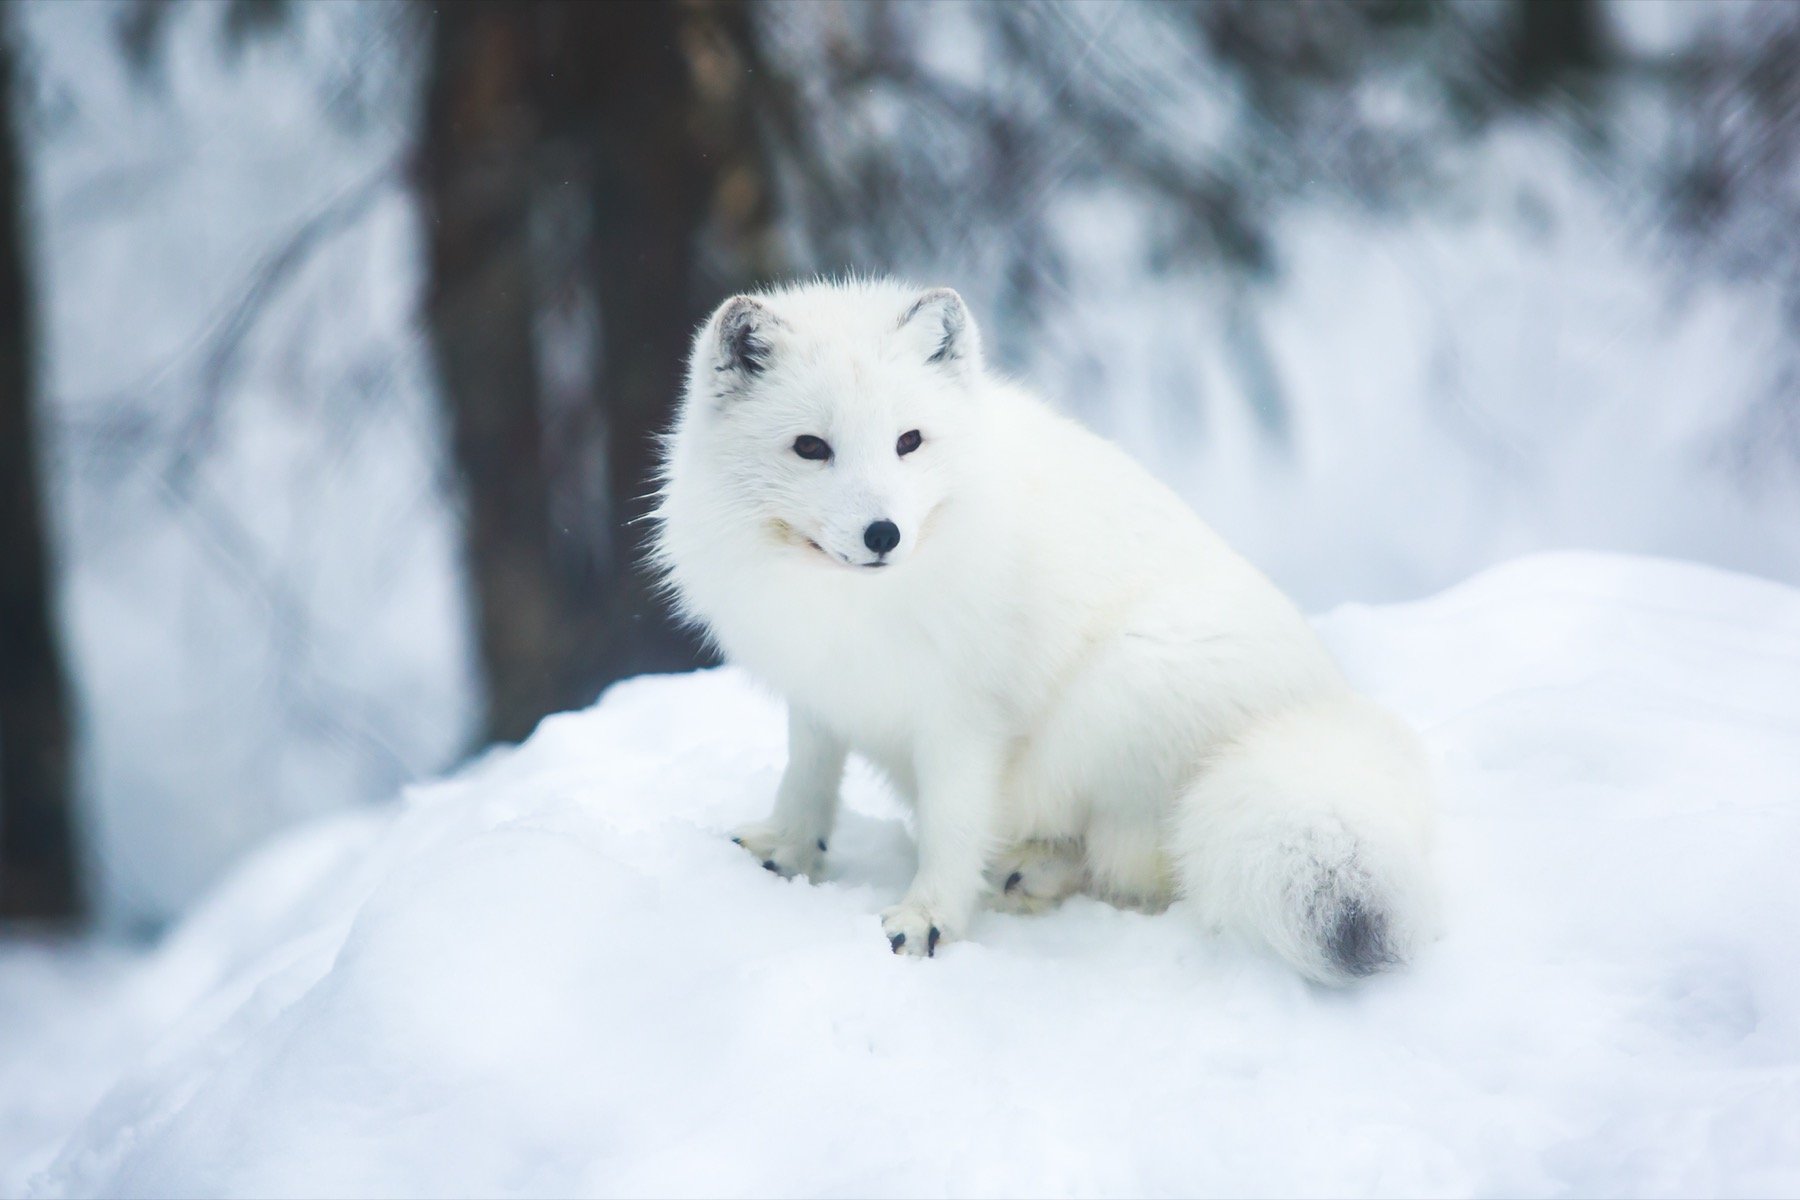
x: 877, y: 674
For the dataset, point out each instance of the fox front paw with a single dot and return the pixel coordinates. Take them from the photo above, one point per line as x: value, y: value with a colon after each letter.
x: 784, y: 853
x: 914, y: 929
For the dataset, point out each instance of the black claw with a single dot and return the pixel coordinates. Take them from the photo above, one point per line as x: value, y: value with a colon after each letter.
x: 821, y: 845
x: 1012, y: 881
x: 769, y: 865
x: 931, y: 941
x: 896, y: 941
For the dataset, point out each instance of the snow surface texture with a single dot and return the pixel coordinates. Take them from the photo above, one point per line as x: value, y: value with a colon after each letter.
x: 552, y: 973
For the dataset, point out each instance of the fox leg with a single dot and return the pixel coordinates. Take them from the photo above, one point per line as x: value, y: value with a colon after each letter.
x: 792, y: 840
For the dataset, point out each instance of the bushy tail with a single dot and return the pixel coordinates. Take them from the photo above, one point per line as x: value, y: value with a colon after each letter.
x: 1310, y: 832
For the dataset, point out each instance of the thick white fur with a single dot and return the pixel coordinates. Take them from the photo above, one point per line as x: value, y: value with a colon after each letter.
x: 1072, y: 678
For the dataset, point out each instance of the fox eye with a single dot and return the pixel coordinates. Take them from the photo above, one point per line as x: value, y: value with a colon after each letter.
x: 808, y: 446
x: 909, y: 441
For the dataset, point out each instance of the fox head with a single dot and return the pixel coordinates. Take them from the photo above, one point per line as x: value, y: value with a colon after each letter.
x: 828, y: 416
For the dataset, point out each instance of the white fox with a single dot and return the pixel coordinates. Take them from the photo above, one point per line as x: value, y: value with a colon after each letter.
x: 1074, y: 681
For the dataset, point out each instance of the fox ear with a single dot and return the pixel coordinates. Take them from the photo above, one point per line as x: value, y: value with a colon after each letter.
x: 744, y: 331
x: 942, y: 328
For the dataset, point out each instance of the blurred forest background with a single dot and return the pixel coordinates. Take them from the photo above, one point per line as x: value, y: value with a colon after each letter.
x: 333, y: 336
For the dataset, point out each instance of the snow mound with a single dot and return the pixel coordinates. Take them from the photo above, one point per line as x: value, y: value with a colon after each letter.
x: 552, y: 973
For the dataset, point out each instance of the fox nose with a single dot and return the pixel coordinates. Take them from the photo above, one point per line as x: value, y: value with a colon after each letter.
x: 881, y: 536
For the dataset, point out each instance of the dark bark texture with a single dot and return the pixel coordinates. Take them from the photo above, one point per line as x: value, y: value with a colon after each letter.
x: 621, y: 121
x: 1554, y: 43
x: 39, y: 879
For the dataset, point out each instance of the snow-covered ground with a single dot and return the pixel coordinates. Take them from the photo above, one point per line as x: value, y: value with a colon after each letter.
x: 552, y: 975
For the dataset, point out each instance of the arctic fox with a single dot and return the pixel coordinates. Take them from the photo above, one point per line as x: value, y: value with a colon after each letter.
x: 1077, y: 685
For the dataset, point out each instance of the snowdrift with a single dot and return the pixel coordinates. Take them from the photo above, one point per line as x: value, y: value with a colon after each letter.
x: 553, y: 975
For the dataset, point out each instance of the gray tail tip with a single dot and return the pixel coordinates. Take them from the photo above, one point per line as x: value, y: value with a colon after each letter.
x: 1357, y: 942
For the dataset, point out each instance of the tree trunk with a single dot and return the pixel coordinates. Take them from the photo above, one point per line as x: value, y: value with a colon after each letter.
x: 1553, y: 43
x: 38, y: 870
x: 621, y: 107
x: 479, y: 143
x: 653, y: 181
